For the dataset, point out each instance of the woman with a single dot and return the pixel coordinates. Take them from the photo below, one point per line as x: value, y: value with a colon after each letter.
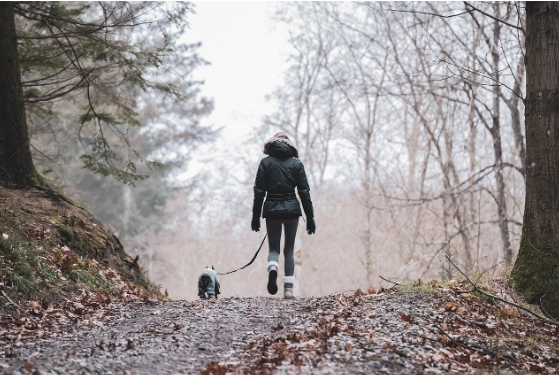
x: 278, y: 175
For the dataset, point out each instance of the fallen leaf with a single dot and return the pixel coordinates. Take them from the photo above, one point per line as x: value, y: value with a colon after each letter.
x: 213, y: 368
x: 450, y: 306
x: 479, y: 362
x: 390, y: 347
x: 334, y: 330
x: 34, y: 305
x: 407, y: 318
x: 358, y: 293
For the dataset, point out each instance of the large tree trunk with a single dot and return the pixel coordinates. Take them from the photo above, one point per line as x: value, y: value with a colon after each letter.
x: 16, y: 164
x: 536, y: 271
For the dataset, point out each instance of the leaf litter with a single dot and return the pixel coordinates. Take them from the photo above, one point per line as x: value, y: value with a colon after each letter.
x: 442, y: 330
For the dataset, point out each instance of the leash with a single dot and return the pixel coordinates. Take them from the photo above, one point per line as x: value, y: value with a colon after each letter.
x: 249, y: 263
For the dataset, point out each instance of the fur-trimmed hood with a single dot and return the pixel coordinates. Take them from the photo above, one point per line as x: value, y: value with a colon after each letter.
x: 280, y: 146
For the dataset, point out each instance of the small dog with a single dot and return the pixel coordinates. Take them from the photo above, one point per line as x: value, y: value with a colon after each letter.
x: 208, y: 285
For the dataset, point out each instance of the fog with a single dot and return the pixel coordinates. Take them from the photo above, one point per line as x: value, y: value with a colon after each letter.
x: 410, y: 126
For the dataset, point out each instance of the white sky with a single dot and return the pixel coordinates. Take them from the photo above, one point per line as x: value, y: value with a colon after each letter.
x: 247, y: 59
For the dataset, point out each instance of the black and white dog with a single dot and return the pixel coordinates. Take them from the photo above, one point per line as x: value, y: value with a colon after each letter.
x: 208, y: 285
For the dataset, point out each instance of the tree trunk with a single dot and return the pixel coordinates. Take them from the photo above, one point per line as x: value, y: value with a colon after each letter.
x: 497, y: 146
x: 16, y: 164
x: 513, y: 104
x: 367, y: 185
x: 536, y: 271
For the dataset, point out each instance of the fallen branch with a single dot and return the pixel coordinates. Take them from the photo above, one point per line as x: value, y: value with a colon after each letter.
x: 543, y: 309
x: 477, y: 289
x: 8, y: 298
x: 395, y: 283
x: 488, y: 306
x: 425, y: 337
x: 482, y: 351
x: 455, y: 342
x: 464, y: 291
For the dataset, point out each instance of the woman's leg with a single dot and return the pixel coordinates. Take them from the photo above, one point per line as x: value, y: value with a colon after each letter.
x: 274, y: 237
x: 290, y: 233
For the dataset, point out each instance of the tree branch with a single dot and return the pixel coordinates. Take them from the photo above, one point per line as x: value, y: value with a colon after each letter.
x: 495, y: 18
x: 477, y: 289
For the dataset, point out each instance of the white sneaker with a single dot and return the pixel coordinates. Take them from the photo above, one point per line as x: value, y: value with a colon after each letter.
x: 288, y: 291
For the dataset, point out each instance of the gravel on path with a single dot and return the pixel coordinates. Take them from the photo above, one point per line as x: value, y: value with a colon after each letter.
x: 403, y: 332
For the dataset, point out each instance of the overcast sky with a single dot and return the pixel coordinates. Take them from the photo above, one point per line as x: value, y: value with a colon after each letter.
x: 247, y: 59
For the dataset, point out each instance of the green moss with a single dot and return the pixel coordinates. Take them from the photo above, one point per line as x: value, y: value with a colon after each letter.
x: 39, y: 223
x: 47, y: 272
x: 5, y: 246
x: 24, y: 263
x: 536, y: 276
x: 416, y: 287
x: 89, y: 276
x: 429, y: 286
x: 66, y: 233
x: 484, y: 298
x: 83, y: 241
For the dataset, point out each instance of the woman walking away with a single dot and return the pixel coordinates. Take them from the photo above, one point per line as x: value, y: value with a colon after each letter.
x: 278, y: 175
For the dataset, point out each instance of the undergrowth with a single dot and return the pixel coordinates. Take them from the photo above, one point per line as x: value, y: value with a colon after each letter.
x: 429, y: 286
x: 489, y: 283
x: 83, y: 272
x: 19, y: 263
x: 51, y: 247
x: 31, y: 268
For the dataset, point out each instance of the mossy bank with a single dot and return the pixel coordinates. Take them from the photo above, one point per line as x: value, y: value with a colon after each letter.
x: 51, y: 248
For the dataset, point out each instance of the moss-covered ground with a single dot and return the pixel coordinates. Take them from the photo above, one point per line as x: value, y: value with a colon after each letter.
x: 51, y: 247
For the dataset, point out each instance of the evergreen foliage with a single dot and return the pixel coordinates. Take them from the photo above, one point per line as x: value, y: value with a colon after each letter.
x: 93, y: 73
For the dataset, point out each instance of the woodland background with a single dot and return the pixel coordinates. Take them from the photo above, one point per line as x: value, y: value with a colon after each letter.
x: 410, y: 126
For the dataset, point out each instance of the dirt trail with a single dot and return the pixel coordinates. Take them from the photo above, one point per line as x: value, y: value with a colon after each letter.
x: 403, y: 332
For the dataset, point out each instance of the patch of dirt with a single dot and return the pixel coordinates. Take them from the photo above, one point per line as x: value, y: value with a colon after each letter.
x: 52, y: 248
x: 441, y: 331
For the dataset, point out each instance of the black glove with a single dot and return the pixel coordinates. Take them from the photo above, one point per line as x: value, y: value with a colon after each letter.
x: 255, y: 223
x: 311, y: 226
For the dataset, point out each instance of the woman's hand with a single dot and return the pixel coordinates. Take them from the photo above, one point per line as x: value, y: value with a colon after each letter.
x: 311, y: 226
x: 255, y: 224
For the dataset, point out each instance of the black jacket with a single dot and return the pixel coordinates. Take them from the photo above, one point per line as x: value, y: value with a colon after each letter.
x: 276, y: 179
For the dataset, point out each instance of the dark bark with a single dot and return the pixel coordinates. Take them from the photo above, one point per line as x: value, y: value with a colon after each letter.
x: 16, y: 164
x: 536, y: 271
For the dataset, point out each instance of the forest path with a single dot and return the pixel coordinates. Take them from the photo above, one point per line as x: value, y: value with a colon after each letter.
x: 400, y: 332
